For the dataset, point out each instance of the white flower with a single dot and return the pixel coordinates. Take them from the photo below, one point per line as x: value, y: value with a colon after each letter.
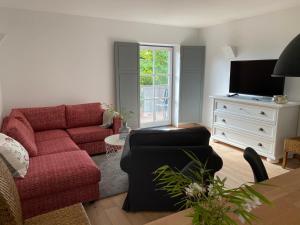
x: 211, y: 190
x: 194, y: 190
x: 241, y: 218
x: 247, y: 207
x: 255, y: 202
x: 251, y: 203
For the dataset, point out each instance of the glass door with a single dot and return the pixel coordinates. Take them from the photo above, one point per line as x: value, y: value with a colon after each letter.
x: 156, y: 65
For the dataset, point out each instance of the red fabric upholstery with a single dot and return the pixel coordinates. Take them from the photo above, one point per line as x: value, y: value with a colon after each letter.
x: 20, y: 132
x: 4, y: 124
x: 59, y: 174
x: 63, y: 144
x: 50, y: 135
x: 93, y: 148
x: 20, y: 116
x: 117, y: 122
x: 46, y: 118
x: 83, y: 135
x: 84, y: 115
x: 35, y: 206
x: 56, y: 173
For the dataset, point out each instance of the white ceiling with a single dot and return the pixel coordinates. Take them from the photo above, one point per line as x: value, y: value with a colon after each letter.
x: 189, y: 13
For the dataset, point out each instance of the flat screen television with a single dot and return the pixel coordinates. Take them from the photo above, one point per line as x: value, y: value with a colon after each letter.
x: 253, y: 77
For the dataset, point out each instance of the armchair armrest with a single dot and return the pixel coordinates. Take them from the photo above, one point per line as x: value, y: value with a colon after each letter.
x: 126, y: 157
x: 117, y: 121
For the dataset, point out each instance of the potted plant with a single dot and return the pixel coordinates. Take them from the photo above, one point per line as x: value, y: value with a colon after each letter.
x: 211, y: 201
x: 125, y: 115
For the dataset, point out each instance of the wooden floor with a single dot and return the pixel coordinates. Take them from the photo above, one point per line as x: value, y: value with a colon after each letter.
x: 109, y: 212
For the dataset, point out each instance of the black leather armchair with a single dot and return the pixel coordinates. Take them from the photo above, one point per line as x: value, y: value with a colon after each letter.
x: 147, y: 150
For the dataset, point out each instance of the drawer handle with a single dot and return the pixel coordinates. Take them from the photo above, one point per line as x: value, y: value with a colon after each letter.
x: 262, y: 113
x: 223, y: 120
x: 224, y: 106
x: 223, y: 133
x: 261, y: 129
x: 260, y: 144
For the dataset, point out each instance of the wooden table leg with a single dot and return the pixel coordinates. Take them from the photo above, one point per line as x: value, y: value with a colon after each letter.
x: 284, y: 159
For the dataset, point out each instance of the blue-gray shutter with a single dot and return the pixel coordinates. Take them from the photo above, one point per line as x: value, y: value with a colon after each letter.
x: 127, y: 79
x: 191, y: 83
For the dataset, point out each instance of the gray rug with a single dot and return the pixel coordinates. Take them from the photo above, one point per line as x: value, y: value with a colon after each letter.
x: 113, y: 180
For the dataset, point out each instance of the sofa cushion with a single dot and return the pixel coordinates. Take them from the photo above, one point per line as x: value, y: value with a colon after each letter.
x: 46, y: 118
x: 59, y: 172
x: 89, y: 134
x: 20, y: 116
x: 84, y: 115
x: 20, y: 132
x: 52, y: 146
x: 14, y: 156
x: 50, y: 135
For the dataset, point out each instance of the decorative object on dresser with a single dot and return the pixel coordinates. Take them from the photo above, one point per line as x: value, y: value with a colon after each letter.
x: 261, y: 125
x: 280, y: 99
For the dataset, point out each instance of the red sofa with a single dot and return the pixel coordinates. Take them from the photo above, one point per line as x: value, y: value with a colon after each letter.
x: 59, y: 141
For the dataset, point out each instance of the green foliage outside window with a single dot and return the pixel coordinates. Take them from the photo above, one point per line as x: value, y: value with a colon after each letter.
x: 161, y: 67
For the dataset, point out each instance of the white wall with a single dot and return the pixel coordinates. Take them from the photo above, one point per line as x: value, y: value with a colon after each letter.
x: 261, y: 37
x: 48, y: 59
x: 1, y: 105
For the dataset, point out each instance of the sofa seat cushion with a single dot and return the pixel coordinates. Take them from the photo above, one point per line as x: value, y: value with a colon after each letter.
x: 50, y: 174
x: 46, y: 118
x: 19, y: 131
x: 50, y: 135
x: 63, y: 144
x: 83, y: 135
x: 84, y: 115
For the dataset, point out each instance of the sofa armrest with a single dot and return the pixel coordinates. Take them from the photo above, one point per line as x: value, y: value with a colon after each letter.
x: 117, y: 121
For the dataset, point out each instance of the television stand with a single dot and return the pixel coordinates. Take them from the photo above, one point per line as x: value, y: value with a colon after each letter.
x: 263, y: 125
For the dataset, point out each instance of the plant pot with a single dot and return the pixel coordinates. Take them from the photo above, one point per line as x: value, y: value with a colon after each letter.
x: 124, y: 130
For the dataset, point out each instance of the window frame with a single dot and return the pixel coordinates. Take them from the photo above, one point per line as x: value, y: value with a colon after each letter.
x: 170, y: 75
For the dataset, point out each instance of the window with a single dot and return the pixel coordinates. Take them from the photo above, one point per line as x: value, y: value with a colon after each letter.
x: 156, y: 65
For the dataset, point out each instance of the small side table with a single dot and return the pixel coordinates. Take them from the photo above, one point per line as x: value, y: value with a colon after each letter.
x: 113, y: 145
x: 290, y: 145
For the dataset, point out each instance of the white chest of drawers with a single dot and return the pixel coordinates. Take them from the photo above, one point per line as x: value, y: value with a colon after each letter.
x: 257, y: 124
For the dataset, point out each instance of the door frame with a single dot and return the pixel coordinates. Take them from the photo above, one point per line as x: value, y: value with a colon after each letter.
x: 171, y: 74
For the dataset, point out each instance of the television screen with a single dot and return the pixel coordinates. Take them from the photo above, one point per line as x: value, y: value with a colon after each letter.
x: 253, y: 77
